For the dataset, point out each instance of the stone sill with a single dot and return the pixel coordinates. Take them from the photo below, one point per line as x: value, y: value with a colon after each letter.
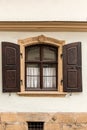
x: 42, y: 94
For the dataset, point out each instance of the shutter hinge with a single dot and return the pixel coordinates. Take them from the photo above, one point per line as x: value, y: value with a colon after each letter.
x: 61, y: 55
x: 21, y: 82
x: 61, y: 81
x: 21, y: 55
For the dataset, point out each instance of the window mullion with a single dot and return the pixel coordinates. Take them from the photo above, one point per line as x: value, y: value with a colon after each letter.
x: 41, y: 75
x: 41, y: 67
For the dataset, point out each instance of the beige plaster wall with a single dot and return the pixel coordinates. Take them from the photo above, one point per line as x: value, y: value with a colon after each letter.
x: 43, y: 10
x: 70, y: 103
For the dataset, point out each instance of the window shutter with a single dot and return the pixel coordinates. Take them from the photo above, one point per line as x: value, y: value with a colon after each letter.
x: 10, y: 67
x: 72, y: 69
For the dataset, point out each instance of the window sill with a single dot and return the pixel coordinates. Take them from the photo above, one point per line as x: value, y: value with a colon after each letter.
x: 42, y: 94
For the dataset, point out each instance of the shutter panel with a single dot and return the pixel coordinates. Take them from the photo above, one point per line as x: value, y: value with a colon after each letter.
x: 72, y: 70
x: 10, y: 67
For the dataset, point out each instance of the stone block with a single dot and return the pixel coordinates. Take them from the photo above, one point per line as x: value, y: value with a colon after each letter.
x: 52, y: 126
x: 74, y: 127
x: 2, y: 126
x: 81, y: 117
x: 8, y: 117
x: 17, y: 127
x: 63, y: 118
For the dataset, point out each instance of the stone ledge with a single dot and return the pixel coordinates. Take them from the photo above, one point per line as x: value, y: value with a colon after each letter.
x: 42, y: 94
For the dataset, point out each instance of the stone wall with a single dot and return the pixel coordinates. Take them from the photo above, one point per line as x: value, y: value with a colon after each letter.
x: 52, y: 121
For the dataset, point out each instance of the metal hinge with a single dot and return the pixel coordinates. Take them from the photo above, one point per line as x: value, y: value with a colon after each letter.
x: 61, y: 81
x: 61, y: 55
x: 21, y: 82
x: 21, y: 55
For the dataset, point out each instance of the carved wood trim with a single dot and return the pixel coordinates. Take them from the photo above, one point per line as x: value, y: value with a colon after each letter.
x: 49, y: 26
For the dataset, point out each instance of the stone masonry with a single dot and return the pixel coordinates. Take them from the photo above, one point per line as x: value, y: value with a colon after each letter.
x: 52, y: 121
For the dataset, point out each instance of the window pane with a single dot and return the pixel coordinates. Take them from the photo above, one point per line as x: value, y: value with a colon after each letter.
x: 49, y: 82
x: 49, y: 76
x: 32, y: 76
x: 49, y: 54
x: 32, y: 53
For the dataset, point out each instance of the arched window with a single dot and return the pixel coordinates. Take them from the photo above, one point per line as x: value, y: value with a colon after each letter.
x: 41, y: 67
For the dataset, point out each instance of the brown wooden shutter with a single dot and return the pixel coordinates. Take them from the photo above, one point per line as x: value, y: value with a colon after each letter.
x: 72, y: 70
x: 10, y: 67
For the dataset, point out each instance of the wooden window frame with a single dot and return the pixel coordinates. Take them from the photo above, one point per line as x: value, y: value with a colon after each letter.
x: 41, y: 62
x: 41, y: 40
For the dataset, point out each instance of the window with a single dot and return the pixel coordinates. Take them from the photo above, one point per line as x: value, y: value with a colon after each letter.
x: 42, y: 66
x: 35, y: 125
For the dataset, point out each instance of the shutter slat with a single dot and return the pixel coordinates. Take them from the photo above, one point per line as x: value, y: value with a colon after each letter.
x: 10, y: 67
x: 72, y: 70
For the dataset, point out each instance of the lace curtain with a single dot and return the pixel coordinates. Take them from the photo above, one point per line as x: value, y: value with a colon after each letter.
x: 33, y: 77
x: 49, y: 77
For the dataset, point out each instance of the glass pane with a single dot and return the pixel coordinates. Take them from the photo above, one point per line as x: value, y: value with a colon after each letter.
x: 49, y: 70
x: 49, y: 76
x: 32, y: 76
x: 49, y: 54
x: 32, y: 53
x: 49, y: 82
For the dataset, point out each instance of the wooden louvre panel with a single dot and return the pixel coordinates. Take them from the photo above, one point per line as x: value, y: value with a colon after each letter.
x: 10, y: 67
x: 72, y: 69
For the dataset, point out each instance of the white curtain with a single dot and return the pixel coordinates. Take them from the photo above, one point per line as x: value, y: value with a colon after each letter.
x: 33, y: 80
x: 33, y: 77
x: 49, y: 77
